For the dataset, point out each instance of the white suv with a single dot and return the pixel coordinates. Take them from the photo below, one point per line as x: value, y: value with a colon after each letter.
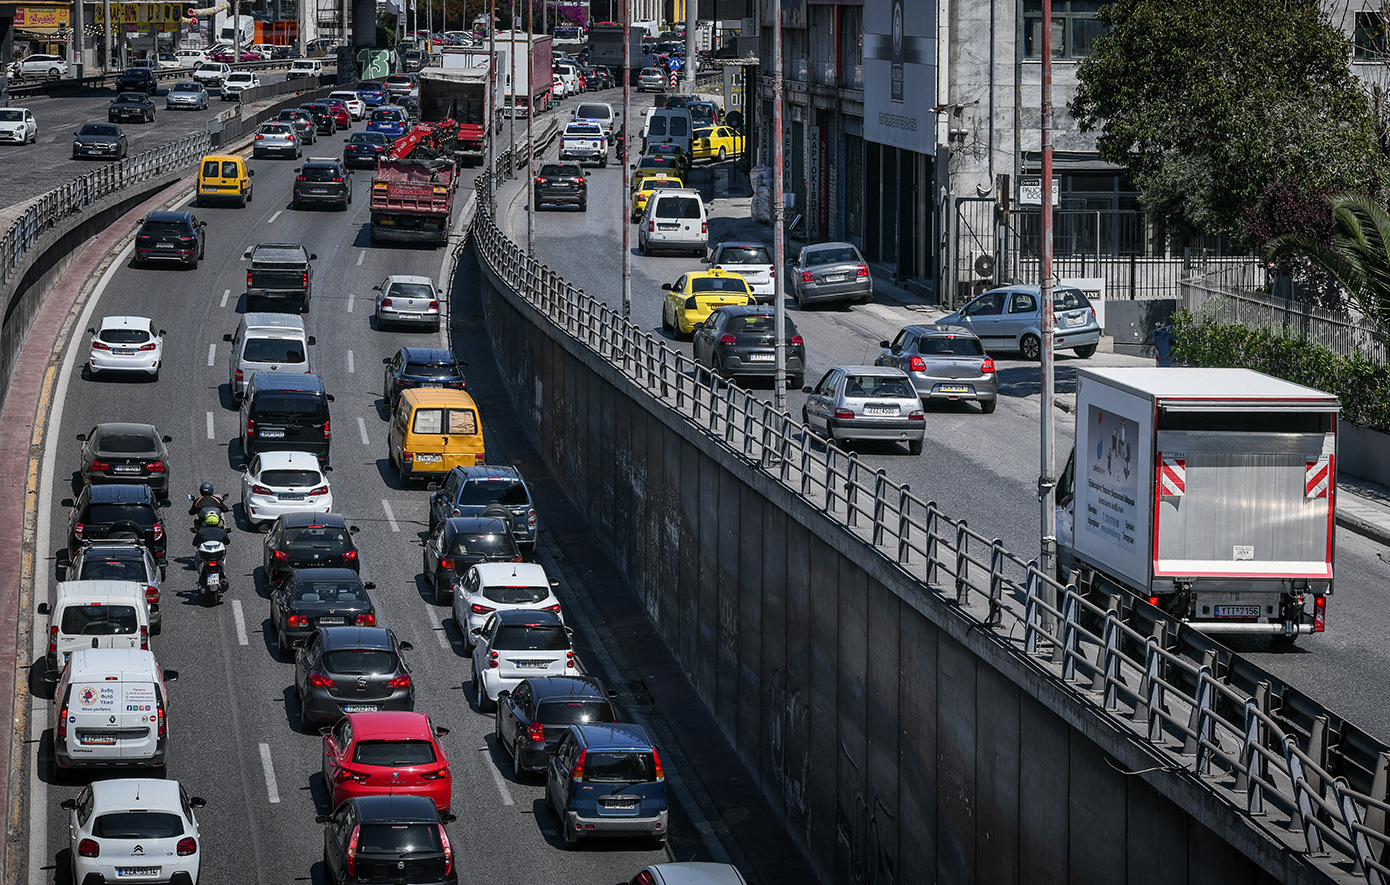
x: 237, y: 82
x: 212, y: 73
x: 134, y: 828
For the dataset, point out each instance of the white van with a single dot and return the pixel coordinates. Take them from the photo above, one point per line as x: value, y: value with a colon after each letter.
x: 96, y: 614
x: 266, y: 342
x: 670, y: 126
x: 109, y: 710
x: 675, y: 221
x: 304, y: 67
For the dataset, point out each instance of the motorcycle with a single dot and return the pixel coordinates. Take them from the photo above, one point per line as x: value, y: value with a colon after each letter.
x: 212, y: 571
x: 201, y: 516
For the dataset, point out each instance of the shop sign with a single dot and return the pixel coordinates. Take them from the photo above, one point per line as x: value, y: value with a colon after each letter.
x: 32, y: 18
x: 900, y: 60
x: 143, y: 16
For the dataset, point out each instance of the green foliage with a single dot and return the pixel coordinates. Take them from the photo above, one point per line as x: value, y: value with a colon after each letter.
x: 1357, y: 256
x: 1210, y: 102
x: 1361, y: 385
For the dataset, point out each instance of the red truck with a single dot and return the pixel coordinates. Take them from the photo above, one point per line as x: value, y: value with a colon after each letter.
x: 458, y: 94
x: 413, y: 189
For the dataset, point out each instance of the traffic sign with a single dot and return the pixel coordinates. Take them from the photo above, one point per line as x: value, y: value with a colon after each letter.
x: 675, y: 64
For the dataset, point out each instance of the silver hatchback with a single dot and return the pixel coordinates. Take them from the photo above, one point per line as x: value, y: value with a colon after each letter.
x: 868, y: 403
x: 277, y: 140
x: 944, y: 363
x: 187, y: 94
x: 1010, y: 319
x: 407, y: 300
x: 831, y: 272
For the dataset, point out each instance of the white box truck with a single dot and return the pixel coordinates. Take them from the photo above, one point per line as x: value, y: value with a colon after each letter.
x: 1210, y: 493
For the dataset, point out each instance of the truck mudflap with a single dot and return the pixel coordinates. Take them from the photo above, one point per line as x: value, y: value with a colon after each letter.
x: 410, y: 229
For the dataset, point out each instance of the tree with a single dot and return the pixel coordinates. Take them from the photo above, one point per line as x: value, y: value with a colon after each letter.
x: 1358, y: 255
x: 1210, y: 103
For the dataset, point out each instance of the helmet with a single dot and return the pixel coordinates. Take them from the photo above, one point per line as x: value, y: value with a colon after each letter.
x: 212, y: 519
x: 205, y: 489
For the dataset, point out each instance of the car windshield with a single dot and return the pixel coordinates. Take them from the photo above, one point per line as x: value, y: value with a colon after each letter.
x: 678, y: 207
x: 482, y: 544
x: 137, y: 825
x: 98, y: 129
x: 361, y: 662
x: 343, y: 592
x: 7, y: 115
x: 619, y: 768
x: 744, y: 255
x: 164, y: 228
x: 185, y: 87
x: 124, y: 336
x: 399, y: 840
x: 126, y: 444
x: 367, y: 138
x: 834, y: 255
x: 412, y: 290
x: 108, y: 514
x: 878, y: 385
x: 732, y: 284
x: 484, y: 491
x: 952, y: 346
x: 393, y: 753
x: 1069, y: 299
x: 516, y: 595
x: 100, y: 568
x: 574, y: 712
x: 431, y: 370
x: 312, y: 537
x: 99, y: 620
x: 273, y: 350
x: 531, y: 637
x: 290, y: 477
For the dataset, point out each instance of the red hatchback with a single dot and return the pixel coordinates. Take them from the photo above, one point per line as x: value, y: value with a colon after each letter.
x: 386, y: 753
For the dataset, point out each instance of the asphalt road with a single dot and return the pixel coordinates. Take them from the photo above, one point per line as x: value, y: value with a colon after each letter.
x: 234, y: 720
x: 981, y: 467
x: 48, y: 163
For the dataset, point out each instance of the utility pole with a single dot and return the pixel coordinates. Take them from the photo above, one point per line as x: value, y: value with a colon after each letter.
x: 779, y: 244
x: 106, y: 36
x: 1047, y: 480
x: 691, y: 8
x: 493, y: 81
x: 77, y: 30
x: 624, y: 207
x: 530, y: 145
x: 236, y: 30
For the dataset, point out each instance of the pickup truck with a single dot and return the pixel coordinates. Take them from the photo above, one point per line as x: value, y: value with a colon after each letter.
x: 238, y: 82
x: 584, y: 142
x: 280, y: 272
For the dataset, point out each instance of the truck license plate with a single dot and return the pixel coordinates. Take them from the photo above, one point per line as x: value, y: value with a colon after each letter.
x: 1237, y: 611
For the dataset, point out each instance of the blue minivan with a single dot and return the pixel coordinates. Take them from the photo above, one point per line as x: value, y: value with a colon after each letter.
x: 606, y: 780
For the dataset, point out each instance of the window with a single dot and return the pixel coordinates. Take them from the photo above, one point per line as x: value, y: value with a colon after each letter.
x: 1372, y: 42
x: 1074, y: 28
x: 458, y: 421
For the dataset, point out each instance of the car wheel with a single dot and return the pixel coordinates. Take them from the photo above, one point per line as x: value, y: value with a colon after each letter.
x: 284, y: 651
x: 294, y: 205
x: 249, y: 191
x: 53, y: 73
x: 805, y: 417
x: 1031, y: 347
x: 193, y: 263
x: 583, y: 205
x: 722, y: 155
x: 914, y: 447
x: 1086, y: 351
x: 403, y: 477
x: 518, y: 770
x: 441, y: 591
x: 243, y: 200
x: 666, y: 324
x: 497, y: 732
x: 987, y: 406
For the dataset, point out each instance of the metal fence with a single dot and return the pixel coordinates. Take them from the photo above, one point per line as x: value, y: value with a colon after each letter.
x: 1323, y: 795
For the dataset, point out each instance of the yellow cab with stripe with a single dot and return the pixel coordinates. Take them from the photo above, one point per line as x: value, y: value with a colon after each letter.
x: 691, y: 299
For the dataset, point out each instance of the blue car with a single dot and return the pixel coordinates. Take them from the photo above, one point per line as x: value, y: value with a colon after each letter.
x: 607, y: 780
x: 389, y: 121
x: 374, y: 95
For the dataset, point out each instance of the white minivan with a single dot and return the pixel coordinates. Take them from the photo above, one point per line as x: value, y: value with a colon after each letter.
x: 304, y: 67
x: 109, y: 710
x: 95, y: 614
x: 266, y: 342
x: 675, y: 221
x: 669, y: 126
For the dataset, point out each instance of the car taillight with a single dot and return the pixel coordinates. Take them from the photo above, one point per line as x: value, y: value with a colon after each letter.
x: 248, y: 279
x: 327, y: 429
x: 318, y: 680
x: 144, y: 637
x: 916, y: 416
x: 147, y: 347
x: 299, y: 178
x: 475, y: 608
x: 651, y: 227
x: 401, y: 681
x: 155, y: 467
x: 569, y: 660
x: 1319, y: 614
x: 728, y: 339
x: 434, y: 305
x: 478, y: 458
x: 159, y: 714
x: 434, y: 775
x: 259, y: 137
x: 151, y: 594
x: 704, y: 228
x: 89, y: 848
x: 407, y: 456
x: 239, y: 376
x: 338, y: 180
x: 917, y: 364
x: 187, y: 845
x: 844, y: 413
x: 78, y: 529
x: 53, y: 637
x: 690, y: 303
x: 321, y: 490
x: 297, y: 621
x: 304, y: 279
x: 366, y: 619
x: 987, y: 367
x: 577, y: 773
x: 386, y: 302
x: 863, y: 271
x: 97, y: 345
x: 540, y: 180
x: 350, y: 556
x: 100, y: 465
x: 531, y: 517
x: 279, y: 556
x: 260, y: 490
x: 492, y: 660
x: 796, y: 341
x: 552, y: 608
x: 535, y: 732
x: 158, y: 530
x: 352, y: 851
x: 807, y: 277
x: 446, y: 562
x: 448, y: 851
x: 656, y: 764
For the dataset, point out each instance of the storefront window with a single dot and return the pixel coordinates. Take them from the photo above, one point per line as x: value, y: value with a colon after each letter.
x: 851, y: 47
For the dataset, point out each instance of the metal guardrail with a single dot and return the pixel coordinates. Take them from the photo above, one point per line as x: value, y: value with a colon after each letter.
x: 36, y: 86
x: 1125, y: 661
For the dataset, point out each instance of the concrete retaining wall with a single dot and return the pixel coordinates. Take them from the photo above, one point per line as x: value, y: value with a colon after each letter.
x: 897, y: 745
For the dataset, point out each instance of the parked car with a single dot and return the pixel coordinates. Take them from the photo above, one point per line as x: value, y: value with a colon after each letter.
x: 131, y: 107
x: 830, y: 272
x: 276, y: 483
x: 115, y: 512
x: 416, y: 367
x: 276, y: 139
x: 515, y: 645
x: 343, y: 670
x: 171, y: 236
x: 188, y: 94
x: 308, y: 540
x: 944, y: 363
x: 49, y: 67
x: 124, y: 824
x: 460, y: 543
x: 387, y: 839
x: 126, y: 344
x: 387, y: 753
x: 311, y: 598
x: 866, y: 403
x: 137, y: 80
x: 532, y: 717
x: 739, y: 341
x: 1010, y: 318
x: 125, y: 453
x: 607, y: 780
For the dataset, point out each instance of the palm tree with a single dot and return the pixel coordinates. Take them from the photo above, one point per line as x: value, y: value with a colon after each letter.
x: 1358, y: 255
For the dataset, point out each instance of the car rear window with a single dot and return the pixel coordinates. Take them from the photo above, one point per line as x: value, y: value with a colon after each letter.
x: 955, y: 346
x: 320, y: 173
x: 392, y: 753
x: 678, y: 207
x: 661, y: 184
x: 367, y: 138
x: 100, y: 568
x: 124, y: 336
x: 316, y: 536
x: 574, y: 712
x: 301, y: 406
x: 126, y: 444
x: 163, y: 229
x: 719, y: 284
x: 137, y: 825
x: 185, y: 87
x: 329, y: 591
x: 1069, y: 299
x: 484, y: 544
x: 619, y: 768
x: 276, y: 129
x: 384, y: 116
x: 842, y: 255
x: 441, y: 421
x: 744, y: 255
x: 361, y: 662
x: 412, y: 290
x: 290, y: 477
x: 398, y: 840
x: 529, y: 637
x: 875, y: 385
x: 432, y: 370
x: 757, y: 322
x: 106, y: 514
x: 592, y: 112
x: 516, y: 595
x: 584, y: 130
x: 485, y: 491
x: 273, y: 350
x: 554, y: 170
x: 99, y: 620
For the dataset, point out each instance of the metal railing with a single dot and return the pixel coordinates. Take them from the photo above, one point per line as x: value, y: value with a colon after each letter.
x: 1125, y: 660
x: 36, y: 86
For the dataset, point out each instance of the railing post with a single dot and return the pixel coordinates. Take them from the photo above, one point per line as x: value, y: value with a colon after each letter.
x: 1194, y: 722
x: 1205, y: 726
x: 996, y: 584
x: 1069, y: 629
x: 1251, y: 780
x: 962, y: 564
x: 852, y: 491
x: 880, y: 481
x: 933, y: 542
x: 1303, y: 815
x: 805, y: 461
x: 1380, y: 790
x: 1111, y: 670
x: 904, y: 525
x: 1351, y: 819
x: 1031, y: 580
x: 1152, y: 691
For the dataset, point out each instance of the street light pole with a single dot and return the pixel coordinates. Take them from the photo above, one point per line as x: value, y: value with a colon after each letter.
x: 493, y: 81
x: 779, y: 246
x: 511, y: 78
x: 1047, y: 481
x: 530, y: 145
x: 624, y: 207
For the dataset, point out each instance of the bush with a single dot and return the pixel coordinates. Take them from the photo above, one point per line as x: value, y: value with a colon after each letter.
x: 1362, y: 385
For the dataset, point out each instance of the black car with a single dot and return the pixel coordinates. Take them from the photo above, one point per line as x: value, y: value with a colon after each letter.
x: 562, y: 184
x: 126, y: 453
x: 303, y: 123
x: 469, y: 491
x: 177, y: 236
x: 324, y: 122
x: 415, y: 367
x: 461, y: 542
x: 532, y: 717
x: 285, y: 412
x: 311, y: 598
x: 363, y: 148
x: 99, y: 140
x: 308, y: 540
x: 679, y: 100
x: 322, y: 181
x: 344, y: 670
x: 115, y: 511
x: 131, y: 106
x: 137, y: 80
x: 739, y: 341
x: 386, y: 838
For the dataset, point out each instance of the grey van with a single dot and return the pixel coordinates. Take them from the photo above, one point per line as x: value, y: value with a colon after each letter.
x: 266, y: 342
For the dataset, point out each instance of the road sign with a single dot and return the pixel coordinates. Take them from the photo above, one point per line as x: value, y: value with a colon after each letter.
x: 675, y: 64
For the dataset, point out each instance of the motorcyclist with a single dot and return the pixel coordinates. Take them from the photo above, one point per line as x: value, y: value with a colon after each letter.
x: 212, y: 530
x: 207, y: 499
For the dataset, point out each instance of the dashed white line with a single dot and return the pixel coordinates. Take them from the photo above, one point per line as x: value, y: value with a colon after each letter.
x: 360, y: 256
x: 271, y: 219
x: 349, y: 310
x: 438, y: 627
x: 211, y: 434
x: 390, y: 516
x: 497, y: 778
x: 226, y: 293
x: 212, y: 354
x: 271, y: 790
x: 351, y: 368
x: 240, y: 624
x: 362, y: 428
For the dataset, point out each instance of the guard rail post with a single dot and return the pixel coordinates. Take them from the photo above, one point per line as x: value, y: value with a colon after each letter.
x: 1031, y: 615
x: 1204, y: 714
x: 1380, y: 791
x: 852, y: 491
x: 1150, y: 711
x: 805, y: 461
x: 880, y: 482
x: 1194, y: 722
x: 1069, y: 629
x: 1110, y: 656
x: 728, y: 415
x: 747, y: 423
x: 1352, y: 820
x: 904, y: 525
x: 933, y: 543
x: 1302, y: 816
x: 962, y: 563
x: 1251, y: 779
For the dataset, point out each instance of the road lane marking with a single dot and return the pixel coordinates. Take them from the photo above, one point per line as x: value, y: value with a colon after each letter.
x: 349, y: 304
x: 212, y: 354
x: 226, y: 293
x: 360, y: 256
x: 272, y: 218
x: 240, y: 623
x: 211, y: 435
x: 362, y: 428
x: 351, y: 368
x: 438, y: 628
x: 497, y: 778
x: 390, y: 517
x: 270, y: 788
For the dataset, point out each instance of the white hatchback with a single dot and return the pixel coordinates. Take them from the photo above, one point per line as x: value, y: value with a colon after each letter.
x: 501, y: 586
x: 354, y: 103
x: 126, y: 344
x: 134, y: 829
x: 276, y: 483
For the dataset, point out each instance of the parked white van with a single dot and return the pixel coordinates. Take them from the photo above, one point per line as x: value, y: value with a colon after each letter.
x: 109, y: 710
x: 266, y: 342
x: 96, y: 614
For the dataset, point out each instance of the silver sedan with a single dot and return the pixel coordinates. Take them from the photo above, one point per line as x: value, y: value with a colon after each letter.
x: 277, y: 139
x: 188, y: 94
x: 407, y: 300
x: 831, y: 272
x: 866, y: 403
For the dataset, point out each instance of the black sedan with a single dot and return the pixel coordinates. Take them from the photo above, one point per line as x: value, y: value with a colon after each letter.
x: 533, y: 717
x: 131, y: 107
x: 415, y: 367
x: 562, y: 184
x: 362, y: 149
x: 462, y: 542
x: 308, y: 540
x: 739, y: 341
x: 137, y: 80
x: 345, y: 670
x: 311, y: 598
x: 176, y: 236
x: 99, y: 140
x: 124, y: 454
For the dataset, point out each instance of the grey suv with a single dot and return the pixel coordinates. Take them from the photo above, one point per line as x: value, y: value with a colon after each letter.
x: 1010, y: 319
x: 944, y: 363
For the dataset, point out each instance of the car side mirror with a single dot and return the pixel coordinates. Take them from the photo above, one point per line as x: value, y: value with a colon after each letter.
x: 197, y: 802
x: 43, y: 608
x: 66, y: 502
x: 313, y: 340
x: 321, y: 818
x: 171, y: 675
x: 441, y: 731
x: 666, y: 286
x: 227, y: 337
x: 298, y: 168
x: 167, y: 439
x: 884, y: 344
x: 476, y: 631
x: 698, y: 327
x: 91, y: 331
x: 162, y: 333
x: 251, y: 173
x: 386, y: 360
x: 503, y: 694
x: 805, y: 390
x: 165, y: 502
x: 246, y: 254
x: 378, y: 289
x: 352, y: 529
x: 369, y: 585
x: 69, y: 804
x: 406, y: 646
x: 313, y: 256
x: 81, y: 437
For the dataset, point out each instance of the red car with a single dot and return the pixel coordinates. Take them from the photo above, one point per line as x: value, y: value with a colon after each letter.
x: 386, y: 753
x: 342, y: 117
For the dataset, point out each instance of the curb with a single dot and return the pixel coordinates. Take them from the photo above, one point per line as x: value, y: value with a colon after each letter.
x: 1379, y: 534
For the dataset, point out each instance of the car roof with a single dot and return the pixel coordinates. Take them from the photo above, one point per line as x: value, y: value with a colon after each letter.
x: 696, y: 873
x: 220, y: 158
x: 613, y: 735
x: 523, y: 574
x: 390, y: 724
x: 127, y: 427
x: 112, y: 547
x: 136, y: 792
x: 817, y: 247
x: 279, y: 460
x: 410, y: 278
x: 880, y: 371
x: 303, y: 381
x: 324, y: 574
x: 488, y: 471
x: 490, y: 525
x: 132, y: 662
x: 439, y: 396
x: 441, y: 355
x: 104, y: 588
x: 937, y: 331
x: 356, y: 637
x: 546, y: 687
x: 136, y: 493
x: 737, y: 244
x: 530, y: 618
x: 395, y: 809
x: 168, y: 216
x: 302, y: 519
x: 272, y: 320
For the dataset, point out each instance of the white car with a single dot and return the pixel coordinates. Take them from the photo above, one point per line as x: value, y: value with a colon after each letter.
x: 516, y: 645
x: 126, y: 344
x: 405, y: 299
x: 750, y: 260
x: 501, y: 586
x: 134, y: 829
x: 212, y: 73
x: 191, y: 58
x: 355, y: 105
x: 50, y: 67
x: 237, y: 82
x: 18, y: 126
x: 276, y: 483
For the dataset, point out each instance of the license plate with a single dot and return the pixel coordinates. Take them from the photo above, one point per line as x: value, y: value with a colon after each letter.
x: 318, y: 190
x: 124, y: 352
x: 953, y: 388
x: 835, y: 277
x: 1075, y: 321
x: 880, y: 410
x: 332, y: 622
x: 272, y: 434
x: 359, y: 708
x: 137, y: 871
x: 1237, y: 611
x: 99, y: 739
x: 428, y: 459
x: 126, y: 468
x: 408, y: 316
x: 291, y: 496
x: 432, y: 384
x: 761, y: 357
x: 619, y: 802
x: 164, y: 245
x: 214, y: 579
x: 387, y: 221
x: 532, y: 665
x: 668, y: 227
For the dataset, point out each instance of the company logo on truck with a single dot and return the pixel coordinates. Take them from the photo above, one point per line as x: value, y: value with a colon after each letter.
x: 1110, y: 511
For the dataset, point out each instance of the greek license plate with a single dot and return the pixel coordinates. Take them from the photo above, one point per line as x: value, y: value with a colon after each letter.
x: 99, y: 739
x: 119, y: 352
x: 318, y: 190
x: 532, y: 665
x: 953, y: 388
x: 164, y: 245
x: 668, y: 227
x: 272, y: 434
x: 880, y: 410
x: 387, y: 221
x: 1075, y: 321
x: 214, y: 579
x: 1237, y: 611
x: 760, y: 357
x: 126, y: 468
x: 835, y: 278
x: 359, y: 708
x: 291, y: 496
x: 619, y: 802
x: 432, y: 384
x: 137, y: 871
x: 332, y: 622
x: 408, y: 316
x: 428, y: 459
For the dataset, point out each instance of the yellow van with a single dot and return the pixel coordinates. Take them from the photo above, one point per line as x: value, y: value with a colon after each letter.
x: 224, y: 177
x: 434, y: 430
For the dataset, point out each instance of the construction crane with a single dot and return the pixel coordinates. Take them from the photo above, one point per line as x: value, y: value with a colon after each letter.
x: 427, y: 141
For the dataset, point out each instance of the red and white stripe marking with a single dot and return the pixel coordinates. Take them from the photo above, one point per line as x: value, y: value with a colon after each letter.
x: 1173, y: 476
x: 1317, y: 477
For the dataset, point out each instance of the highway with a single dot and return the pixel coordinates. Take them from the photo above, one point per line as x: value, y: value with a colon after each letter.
x: 981, y: 467
x: 234, y: 722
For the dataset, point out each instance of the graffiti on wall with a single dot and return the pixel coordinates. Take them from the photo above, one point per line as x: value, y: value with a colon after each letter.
x: 372, y: 63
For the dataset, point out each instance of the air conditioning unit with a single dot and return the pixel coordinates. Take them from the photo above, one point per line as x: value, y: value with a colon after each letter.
x: 983, y: 265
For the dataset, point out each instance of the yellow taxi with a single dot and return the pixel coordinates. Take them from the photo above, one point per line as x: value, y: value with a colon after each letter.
x: 692, y: 298
x: 715, y: 143
x: 224, y: 177
x: 643, y: 186
x: 673, y: 151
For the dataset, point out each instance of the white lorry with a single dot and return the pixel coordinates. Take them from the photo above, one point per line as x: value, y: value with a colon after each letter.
x: 1210, y: 493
